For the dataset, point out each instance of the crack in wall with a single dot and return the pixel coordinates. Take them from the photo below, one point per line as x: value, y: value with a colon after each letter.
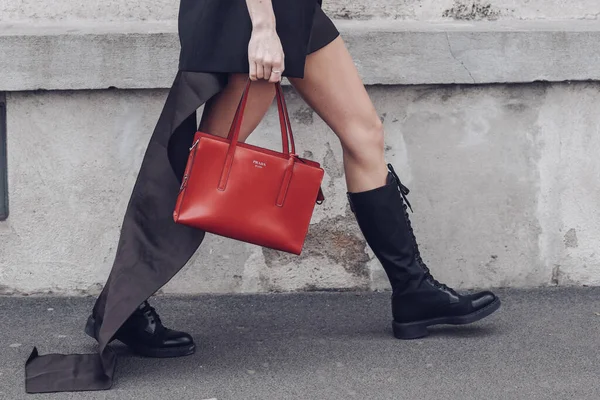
x: 455, y: 58
x: 592, y: 17
x: 555, y: 278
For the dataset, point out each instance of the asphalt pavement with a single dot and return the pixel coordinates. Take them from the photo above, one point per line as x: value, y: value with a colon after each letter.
x: 542, y: 344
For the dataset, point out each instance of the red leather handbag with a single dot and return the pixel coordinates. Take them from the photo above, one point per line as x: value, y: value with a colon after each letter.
x: 249, y: 193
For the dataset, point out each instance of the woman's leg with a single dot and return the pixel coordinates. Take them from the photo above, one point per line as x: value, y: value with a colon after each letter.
x: 333, y: 88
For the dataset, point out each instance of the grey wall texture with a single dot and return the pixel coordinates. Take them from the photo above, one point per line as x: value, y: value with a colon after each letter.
x: 152, y: 10
x: 504, y: 177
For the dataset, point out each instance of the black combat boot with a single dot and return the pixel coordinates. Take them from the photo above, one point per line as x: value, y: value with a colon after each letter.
x: 418, y: 300
x: 145, y: 335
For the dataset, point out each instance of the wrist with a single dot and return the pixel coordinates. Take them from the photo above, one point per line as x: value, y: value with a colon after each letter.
x: 263, y: 24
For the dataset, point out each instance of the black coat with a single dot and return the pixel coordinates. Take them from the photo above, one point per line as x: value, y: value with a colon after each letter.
x: 214, y: 34
x: 152, y: 247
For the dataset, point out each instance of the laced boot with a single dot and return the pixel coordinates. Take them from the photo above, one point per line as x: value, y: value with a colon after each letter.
x: 418, y: 299
x: 145, y: 335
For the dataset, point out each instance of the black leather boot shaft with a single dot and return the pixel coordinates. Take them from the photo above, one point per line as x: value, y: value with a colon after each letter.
x: 380, y: 216
x: 418, y: 300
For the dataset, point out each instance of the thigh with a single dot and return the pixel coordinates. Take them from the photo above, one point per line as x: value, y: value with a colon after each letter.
x: 219, y: 111
x: 334, y: 89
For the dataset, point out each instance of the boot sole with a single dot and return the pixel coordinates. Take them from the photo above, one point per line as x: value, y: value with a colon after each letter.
x: 145, y: 351
x: 418, y: 329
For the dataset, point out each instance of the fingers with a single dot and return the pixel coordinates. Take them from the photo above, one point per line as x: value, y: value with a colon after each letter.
x: 275, y: 77
x: 260, y: 70
x: 277, y: 69
x: 253, y: 70
x: 266, y: 68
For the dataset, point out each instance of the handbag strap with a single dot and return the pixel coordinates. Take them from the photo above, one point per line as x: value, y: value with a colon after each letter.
x: 234, y: 133
x: 284, y: 119
x: 284, y: 116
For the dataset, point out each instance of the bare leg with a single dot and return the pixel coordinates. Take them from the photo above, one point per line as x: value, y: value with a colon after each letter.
x: 220, y: 110
x: 333, y: 88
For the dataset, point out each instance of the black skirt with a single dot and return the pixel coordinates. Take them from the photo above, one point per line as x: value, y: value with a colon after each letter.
x: 152, y: 249
x: 214, y: 34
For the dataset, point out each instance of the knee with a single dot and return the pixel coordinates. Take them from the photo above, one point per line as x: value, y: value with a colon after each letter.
x: 364, y: 139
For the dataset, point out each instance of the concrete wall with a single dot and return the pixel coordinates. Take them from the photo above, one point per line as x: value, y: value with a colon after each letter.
x: 140, y: 55
x: 463, y: 9
x: 504, y: 178
x: 127, y: 10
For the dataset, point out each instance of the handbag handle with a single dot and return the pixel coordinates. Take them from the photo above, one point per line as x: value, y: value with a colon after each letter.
x: 234, y: 133
x: 284, y: 119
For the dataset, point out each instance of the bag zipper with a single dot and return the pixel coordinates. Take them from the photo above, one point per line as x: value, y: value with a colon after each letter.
x: 184, y: 181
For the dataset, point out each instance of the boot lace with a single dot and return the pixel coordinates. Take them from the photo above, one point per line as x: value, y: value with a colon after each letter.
x: 150, y: 313
x: 405, y: 206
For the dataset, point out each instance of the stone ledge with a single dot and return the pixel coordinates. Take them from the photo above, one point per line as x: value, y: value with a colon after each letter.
x: 86, y: 55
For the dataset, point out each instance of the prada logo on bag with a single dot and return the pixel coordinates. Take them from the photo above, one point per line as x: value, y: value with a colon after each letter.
x: 259, y: 164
